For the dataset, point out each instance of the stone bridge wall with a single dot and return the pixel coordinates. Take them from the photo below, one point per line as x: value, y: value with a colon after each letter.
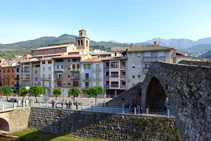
x: 103, y: 125
x: 16, y: 118
x: 132, y: 95
x: 197, y: 63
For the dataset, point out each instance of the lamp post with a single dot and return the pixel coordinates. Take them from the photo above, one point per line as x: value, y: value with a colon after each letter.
x: 63, y: 93
x: 27, y: 87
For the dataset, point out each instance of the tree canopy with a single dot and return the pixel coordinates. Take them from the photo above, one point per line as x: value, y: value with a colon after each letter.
x: 6, y: 90
x: 23, y: 91
x: 74, y: 91
x: 36, y: 90
x: 57, y: 91
x: 94, y: 91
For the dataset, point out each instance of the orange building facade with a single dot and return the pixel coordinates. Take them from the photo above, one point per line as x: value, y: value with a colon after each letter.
x: 8, y: 76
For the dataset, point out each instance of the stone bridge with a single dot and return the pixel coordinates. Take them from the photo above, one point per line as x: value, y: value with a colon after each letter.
x: 14, y: 119
x: 187, y: 86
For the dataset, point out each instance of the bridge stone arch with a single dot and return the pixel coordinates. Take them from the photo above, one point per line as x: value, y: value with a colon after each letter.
x: 4, y: 124
x: 189, y: 90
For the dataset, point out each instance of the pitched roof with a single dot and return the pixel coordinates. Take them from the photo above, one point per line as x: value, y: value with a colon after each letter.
x: 50, y: 47
x: 91, y: 60
x: 113, y: 58
x: 149, y: 48
x: 66, y: 56
x: 119, y: 49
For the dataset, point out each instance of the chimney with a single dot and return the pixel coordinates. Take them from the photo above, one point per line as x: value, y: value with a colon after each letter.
x: 154, y: 43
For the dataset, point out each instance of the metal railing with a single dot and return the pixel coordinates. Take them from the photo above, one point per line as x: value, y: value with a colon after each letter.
x: 58, y: 69
x: 97, y: 78
x: 84, y: 87
x: 46, y: 78
x: 75, y: 69
x: 153, y: 59
x: 75, y: 77
x: 86, y: 78
x: 97, y: 69
x: 17, y: 78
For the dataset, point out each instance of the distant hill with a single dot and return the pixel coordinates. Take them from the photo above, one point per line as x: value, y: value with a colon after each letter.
x: 187, y: 46
x: 10, y: 53
x: 206, y: 55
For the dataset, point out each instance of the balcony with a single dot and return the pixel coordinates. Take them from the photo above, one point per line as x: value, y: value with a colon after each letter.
x: 75, y: 69
x: 97, y: 70
x: 123, y: 86
x: 75, y: 77
x: 123, y: 67
x: 96, y: 78
x: 7, y: 79
x: 46, y: 86
x: 86, y: 78
x: 23, y: 85
x: 146, y: 70
x: 17, y: 78
x: 84, y: 87
x: 26, y: 71
x: 26, y: 78
x: 117, y: 66
x: 17, y: 85
x: 123, y: 77
x: 106, y: 86
x: 58, y: 69
x: 153, y: 59
x: 66, y: 86
x: 46, y: 78
x: 106, y: 67
x: 114, y: 86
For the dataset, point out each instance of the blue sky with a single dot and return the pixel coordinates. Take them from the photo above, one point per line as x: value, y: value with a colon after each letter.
x: 120, y: 20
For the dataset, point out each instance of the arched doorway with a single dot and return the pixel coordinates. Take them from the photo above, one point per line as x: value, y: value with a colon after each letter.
x: 4, y: 125
x: 155, y: 96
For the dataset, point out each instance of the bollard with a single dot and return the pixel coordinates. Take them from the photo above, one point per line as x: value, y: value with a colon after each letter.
x: 168, y: 113
x: 40, y: 104
x: 2, y: 107
x: 101, y: 109
x: 81, y: 107
x: 112, y: 109
x: 63, y: 106
x: 46, y: 104
x: 134, y: 110
x: 54, y: 106
x: 123, y: 108
x: 92, y: 108
x: 147, y: 111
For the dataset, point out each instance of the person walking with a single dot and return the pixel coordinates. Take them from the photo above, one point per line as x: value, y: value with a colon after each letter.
x: 55, y: 102
x: 76, y: 104
x: 52, y: 103
x: 141, y: 108
x: 62, y: 103
x: 69, y: 104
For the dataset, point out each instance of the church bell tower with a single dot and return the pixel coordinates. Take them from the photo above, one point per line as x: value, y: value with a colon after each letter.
x: 82, y: 42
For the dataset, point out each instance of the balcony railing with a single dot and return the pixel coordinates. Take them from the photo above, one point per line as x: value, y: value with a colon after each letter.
x: 97, y: 78
x: 17, y: 78
x: 17, y: 85
x: 123, y: 77
x: 46, y: 78
x: 75, y: 69
x: 123, y: 67
x: 117, y: 66
x: 86, y: 78
x: 58, y: 69
x: 123, y: 86
x: 97, y: 69
x: 106, y: 86
x: 23, y: 85
x: 46, y: 86
x: 66, y: 85
x: 146, y: 70
x: 114, y: 86
x: 75, y: 77
x: 7, y: 79
x: 25, y: 71
x: 26, y: 78
x: 153, y: 59
x: 106, y: 67
x: 84, y: 87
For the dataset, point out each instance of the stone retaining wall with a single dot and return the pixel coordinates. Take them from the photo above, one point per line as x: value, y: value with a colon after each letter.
x: 103, y: 125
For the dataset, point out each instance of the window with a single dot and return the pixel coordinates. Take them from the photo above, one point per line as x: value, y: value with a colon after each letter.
x: 8, y: 70
x: 43, y: 76
x: 147, y: 65
x: 114, y: 65
x: 68, y: 76
x: 133, y: 65
x: 68, y: 68
x: 123, y: 63
x: 123, y: 83
x: 97, y: 84
x: 88, y: 66
x: 114, y: 74
x: 68, y: 83
x: 115, y: 54
x: 107, y: 73
x: 133, y: 76
x: 43, y: 62
x: 49, y: 62
x: 114, y: 84
x: 68, y: 60
x: 49, y: 76
x: 57, y: 66
x: 154, y: 54
x: 87, y: 43
x: 36, y: 78
x: 107, y: 83
x: 49, y: 68
x: 43, y: 68
x: 78, y: 42
x: 59, y: 60
x: 82, y: 42
x: 139, y: 76
x: 139, y: 65
x: 61, y: 66
x: 35, y: 72
x: 133, y: 55
x: 123, y: 73
x: 84, y: 66
x: 139, y: 54
x: 107, y: 64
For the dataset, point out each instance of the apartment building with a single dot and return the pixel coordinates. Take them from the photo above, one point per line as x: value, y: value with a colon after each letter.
x: 17, y: 77
x: 67, y: 72
x: 140, y: 58
x: 8, y: 75
x: 91, y: 73
x: 115, y: 75
x: 180, y: 56
x: 46, y: 74
x: 36, y: 77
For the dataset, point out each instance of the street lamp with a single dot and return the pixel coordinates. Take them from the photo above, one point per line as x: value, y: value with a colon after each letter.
x: 27, y: 87
x: 63, y: 93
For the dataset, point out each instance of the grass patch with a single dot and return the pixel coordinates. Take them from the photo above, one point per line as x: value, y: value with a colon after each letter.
x: 33, y: 135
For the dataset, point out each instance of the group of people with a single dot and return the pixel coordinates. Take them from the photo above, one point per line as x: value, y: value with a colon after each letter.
x: 137, y: 107
x: 67, y: 103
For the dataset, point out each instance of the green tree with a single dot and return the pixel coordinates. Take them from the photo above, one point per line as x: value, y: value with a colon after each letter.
x: 56, y: 92
x: 41, y: 90
x: 94, y: 91
x: 74, y: 91
x: 35, y: 91
x: 23, y: 91
x: 6, y: 90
